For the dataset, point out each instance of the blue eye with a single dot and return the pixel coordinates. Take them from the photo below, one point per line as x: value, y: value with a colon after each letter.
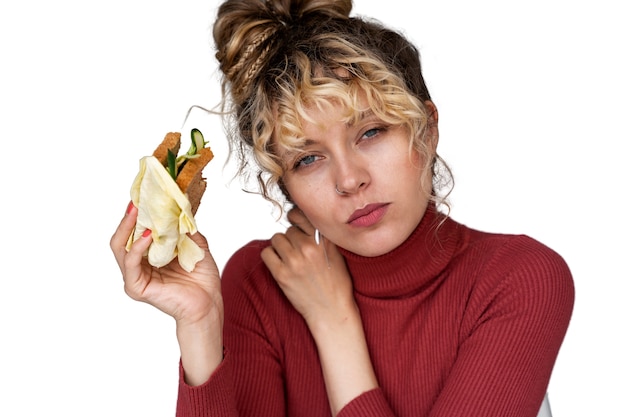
x: 306, y: 160
x: 371, y: 133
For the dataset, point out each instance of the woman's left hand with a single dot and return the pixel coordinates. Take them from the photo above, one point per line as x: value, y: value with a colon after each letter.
x: 312, y: 275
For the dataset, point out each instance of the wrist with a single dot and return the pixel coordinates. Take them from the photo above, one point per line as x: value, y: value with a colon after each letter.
x: 201, y: 348
x: 338, y: 320
x: 344, y: 356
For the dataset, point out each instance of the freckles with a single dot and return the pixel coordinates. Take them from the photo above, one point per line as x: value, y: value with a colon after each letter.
x: 305, y: 194
x: 314, y: 201
x: 315, y: 196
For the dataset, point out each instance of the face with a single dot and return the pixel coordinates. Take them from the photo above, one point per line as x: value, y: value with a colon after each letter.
x: 382, y: 197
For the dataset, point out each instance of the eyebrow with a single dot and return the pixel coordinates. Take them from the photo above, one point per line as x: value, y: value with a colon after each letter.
x: 309, y: 142
x: 362, y: 115
x: 366, y: 114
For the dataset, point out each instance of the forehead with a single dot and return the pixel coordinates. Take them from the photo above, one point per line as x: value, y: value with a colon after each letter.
x: 338, y: 103
x: 315, y: 124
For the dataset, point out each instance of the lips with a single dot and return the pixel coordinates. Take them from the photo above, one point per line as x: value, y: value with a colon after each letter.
x: 368, y: 215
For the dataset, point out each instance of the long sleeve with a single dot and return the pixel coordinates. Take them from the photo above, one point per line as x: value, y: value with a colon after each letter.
x: 462, y: 322
x: 249, y: 382
x: 515, y: 321
x: 457, y: 321
x: 213, y: 398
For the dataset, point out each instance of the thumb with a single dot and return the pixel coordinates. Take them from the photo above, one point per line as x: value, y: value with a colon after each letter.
x: 200, y: 240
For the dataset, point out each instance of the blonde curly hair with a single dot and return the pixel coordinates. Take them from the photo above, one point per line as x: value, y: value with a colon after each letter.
x: 283, y: 56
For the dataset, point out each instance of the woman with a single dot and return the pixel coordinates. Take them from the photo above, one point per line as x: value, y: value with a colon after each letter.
x: 374, y: 302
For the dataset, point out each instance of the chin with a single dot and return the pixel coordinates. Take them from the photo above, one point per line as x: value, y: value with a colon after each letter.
x: 374, y: 250
x: 379, y: 241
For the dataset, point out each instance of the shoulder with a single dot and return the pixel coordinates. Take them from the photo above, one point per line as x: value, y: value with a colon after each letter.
x: 248, y: 254
x: 247, y: 280
x: 519, y: 272
x: 246, y: 263
x: 520, y: 255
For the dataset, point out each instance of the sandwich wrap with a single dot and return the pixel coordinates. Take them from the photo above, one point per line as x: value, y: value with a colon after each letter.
x: 166, y: 211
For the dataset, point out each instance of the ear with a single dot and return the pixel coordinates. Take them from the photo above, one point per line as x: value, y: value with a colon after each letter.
x: 433, y: 125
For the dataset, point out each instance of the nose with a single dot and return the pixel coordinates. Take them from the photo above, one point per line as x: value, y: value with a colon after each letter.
x: 352, y: 175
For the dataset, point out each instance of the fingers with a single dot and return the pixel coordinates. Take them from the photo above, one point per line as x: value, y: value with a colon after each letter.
x: 292, y: 250
x: 282, y: 243
x: 298, y: 219
x: 200, y: 240
x: 122, y: 233
x: 130, y: 262
x: 271, y: 259
x: 121, y: 236
x: 135, y: 279
x: 133, y: 257
x: 281, y: 251
x: 203, y: 244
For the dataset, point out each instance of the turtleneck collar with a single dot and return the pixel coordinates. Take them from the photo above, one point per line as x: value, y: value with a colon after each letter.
x: 412, y: 265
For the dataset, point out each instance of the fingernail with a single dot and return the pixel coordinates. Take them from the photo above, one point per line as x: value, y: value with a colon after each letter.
x: 130, y: 207
x: 146, y: 233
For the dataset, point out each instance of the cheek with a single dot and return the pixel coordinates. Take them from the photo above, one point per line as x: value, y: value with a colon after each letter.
x: 412, y: 175
x: 315, y: 202
x: 305, y: 195
x: 401, y: 163
x: 419, y: 162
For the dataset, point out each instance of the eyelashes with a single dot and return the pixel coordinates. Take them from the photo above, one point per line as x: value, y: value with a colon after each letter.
x: 305, y: 159
x: 370, y: 133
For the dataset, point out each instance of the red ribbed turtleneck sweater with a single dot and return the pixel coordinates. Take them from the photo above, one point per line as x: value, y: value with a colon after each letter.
x: 458, y: 323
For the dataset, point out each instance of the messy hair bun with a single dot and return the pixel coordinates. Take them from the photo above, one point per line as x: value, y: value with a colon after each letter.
x: 247, y: 30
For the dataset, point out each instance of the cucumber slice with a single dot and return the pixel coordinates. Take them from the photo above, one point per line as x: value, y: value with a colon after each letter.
x: 171, y: 164
x: 175, y: 163
x: 197, y: 141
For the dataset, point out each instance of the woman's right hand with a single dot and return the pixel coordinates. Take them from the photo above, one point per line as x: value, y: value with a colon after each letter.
x: 193, y: 299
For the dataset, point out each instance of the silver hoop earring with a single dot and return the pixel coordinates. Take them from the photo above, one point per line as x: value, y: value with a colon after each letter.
x: 339, y: 192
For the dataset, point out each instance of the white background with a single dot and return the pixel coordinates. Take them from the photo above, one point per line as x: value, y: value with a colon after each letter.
x: 531, y: 102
